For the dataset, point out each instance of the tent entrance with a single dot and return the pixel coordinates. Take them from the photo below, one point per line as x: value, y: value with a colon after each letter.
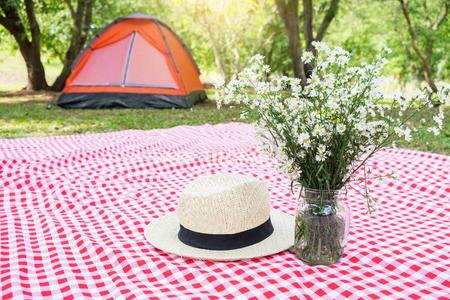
x: 129, y: 62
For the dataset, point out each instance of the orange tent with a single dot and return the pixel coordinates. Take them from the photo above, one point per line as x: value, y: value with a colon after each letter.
x: 136, y: 61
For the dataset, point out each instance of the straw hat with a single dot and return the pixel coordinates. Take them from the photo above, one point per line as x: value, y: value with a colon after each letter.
x: 223, y: 217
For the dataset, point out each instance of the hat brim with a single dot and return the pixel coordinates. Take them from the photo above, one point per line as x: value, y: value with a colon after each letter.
x: 163, y: 234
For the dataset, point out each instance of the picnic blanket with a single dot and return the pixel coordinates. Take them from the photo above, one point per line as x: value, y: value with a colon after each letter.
x: 73, y: 211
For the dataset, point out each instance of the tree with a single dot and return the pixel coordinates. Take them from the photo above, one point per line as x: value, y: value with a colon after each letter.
x: 221, y: 33
x: 289, y: 13
x: 29, y: 46
x: 20, y: 20
x: 432, y: 26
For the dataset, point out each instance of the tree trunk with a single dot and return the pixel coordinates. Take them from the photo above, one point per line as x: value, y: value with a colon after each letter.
x: 35, y: 69
x: 82, y: 19
x: 423, y: 58
x: 308, y: 32
x: 218, y: 59
x: 308, y: 24
x: 30, y: 49
x: 289, y: 14
x: 327, y: 19
x: 309, y: 20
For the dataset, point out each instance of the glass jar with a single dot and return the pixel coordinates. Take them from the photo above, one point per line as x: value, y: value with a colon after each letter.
x: 321, y: 226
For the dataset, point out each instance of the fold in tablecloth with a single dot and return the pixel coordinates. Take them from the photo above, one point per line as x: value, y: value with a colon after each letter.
x: 73, y: 210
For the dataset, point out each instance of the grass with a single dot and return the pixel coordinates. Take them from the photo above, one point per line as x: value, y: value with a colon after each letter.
x: 24, y: 114
x: 426, y: 141
x: 36, y: 115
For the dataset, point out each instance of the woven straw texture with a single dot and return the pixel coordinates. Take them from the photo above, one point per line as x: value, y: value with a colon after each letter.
x: 224, y: 204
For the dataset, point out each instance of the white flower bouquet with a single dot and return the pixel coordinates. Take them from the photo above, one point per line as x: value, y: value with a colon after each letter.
x: 324, y: 130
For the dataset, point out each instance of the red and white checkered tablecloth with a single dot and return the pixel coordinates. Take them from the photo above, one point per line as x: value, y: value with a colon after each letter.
x: 73, y: 210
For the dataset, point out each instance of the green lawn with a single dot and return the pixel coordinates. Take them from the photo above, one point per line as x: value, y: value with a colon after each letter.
x: 37, y: 115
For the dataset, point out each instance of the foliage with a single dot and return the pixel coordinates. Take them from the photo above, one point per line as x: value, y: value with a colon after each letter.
x: 223, y: 34
x: 239, y: 29
x: 325, y: 131
x: 430, y: 23
x: 365, y: 26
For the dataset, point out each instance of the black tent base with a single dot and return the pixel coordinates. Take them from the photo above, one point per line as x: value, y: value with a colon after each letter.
x: 127, y: 100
